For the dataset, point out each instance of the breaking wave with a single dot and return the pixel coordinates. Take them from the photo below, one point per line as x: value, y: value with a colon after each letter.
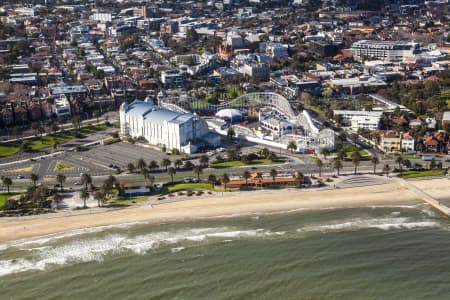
x: 380, y: 223
x: 95, y: 249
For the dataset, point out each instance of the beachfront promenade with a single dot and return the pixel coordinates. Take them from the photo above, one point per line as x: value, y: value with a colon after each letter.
x: 426, y: 197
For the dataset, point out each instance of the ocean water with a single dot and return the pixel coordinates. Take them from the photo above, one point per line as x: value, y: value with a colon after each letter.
x: 365, y: 253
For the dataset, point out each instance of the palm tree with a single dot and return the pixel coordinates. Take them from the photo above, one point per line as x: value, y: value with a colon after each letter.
x: 86, y: 179
x: 292, y: 146
x: 337, y: 164
x: 61, y: 178
x: 153, y: 165
x: 166, y: 163
x: 375, y: 162
x: 109, y: 182
x: 57, y: 198
x: 171, y: 171
x: 386, y: 169
x: 99, y: 196
x: 225, y: 179
x: 325, y: 152
x: 204, y: 159
x: 149, y: 178
x: 141, y: 165
x: 178, y: 163
x: 264, y: 153
x: 188, y: 165
x: 55, y: 144
x: 319, y: 164
x: 7, y: 182
x: 34, y: 178
x: 197, y: 170
x: 212, y: 180
x: 35, y: 127
x: 131, y: 168
x: 300, y: 178
x: 84, y: 195
x: 356, y: 157
x: 399, y: 160
x: 246, y: 176
x: 274, y: 174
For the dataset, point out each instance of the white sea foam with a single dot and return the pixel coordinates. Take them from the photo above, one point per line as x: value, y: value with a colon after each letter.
x: 177, y: 249
x: 378, y: 223
x: 95, y: 249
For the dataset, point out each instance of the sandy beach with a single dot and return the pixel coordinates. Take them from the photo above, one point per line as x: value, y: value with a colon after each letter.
x: 241, y: 203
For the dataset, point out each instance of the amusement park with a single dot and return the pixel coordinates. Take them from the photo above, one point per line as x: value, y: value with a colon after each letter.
x: 263, y: 117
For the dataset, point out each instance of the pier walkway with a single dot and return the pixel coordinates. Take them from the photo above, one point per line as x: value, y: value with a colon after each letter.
x: 427, y: 198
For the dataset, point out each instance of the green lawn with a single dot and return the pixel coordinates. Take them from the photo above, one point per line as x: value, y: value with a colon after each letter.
x: 238, y: 163
x: 8, y: 149
x: 129, y: 201
x: 416, y: 174
x: 5, y: 196
x: 190, y: 186
x: 38, y: 143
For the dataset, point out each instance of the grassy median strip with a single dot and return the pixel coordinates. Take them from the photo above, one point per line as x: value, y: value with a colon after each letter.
x: 238, y: 163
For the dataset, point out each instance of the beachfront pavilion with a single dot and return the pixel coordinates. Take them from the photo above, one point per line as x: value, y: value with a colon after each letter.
x: 261, y: 182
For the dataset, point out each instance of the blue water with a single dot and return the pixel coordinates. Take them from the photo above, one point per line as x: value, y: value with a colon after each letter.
x: 364, y: 253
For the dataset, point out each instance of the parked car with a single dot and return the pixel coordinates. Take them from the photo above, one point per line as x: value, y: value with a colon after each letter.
x: 187, y: 180
x: 20, y: 177
x: 195, y: 180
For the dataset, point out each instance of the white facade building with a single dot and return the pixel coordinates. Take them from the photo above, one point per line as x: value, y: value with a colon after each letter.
x: 383, y: 50
x: 62, y: 106
x: 160, y: 126
x: 360, y: 119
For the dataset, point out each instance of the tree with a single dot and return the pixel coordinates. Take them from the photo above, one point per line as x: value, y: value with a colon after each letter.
x: 212, y: 180
x: 386, y: 169
x: 292, y: 146
x: 188, y: 164
x: 433, y: 164
x: 99, y: 196
x: 356, y: 158
x: 166, y: 163
x: 7, y: 182
x: 86, y: 179
x: 61, y: 178
x: 35, y: 126
x: 225, y: 179
x: 84, y: 195
x: 375, y: 162
x: 171, y: 171
x: 274, y: 174
x: 178, y: 163
x: 34, y: 178
x: 55, y: 144
x: 319, y: 164
x: 204, y: 160
x: 153, y: 165
x: 231, y: 133
x: 337, y: 164
x: 58, y: 199
x: 141, y: 165
x: 197, y: 170
x: 399, y: 161
x: 325, y: 152
x: 245, y: 159
x: 300, y: 178
x: 246, y: 176
x: 131, y: 168
x: 108, y: 183
x: 264, y: 153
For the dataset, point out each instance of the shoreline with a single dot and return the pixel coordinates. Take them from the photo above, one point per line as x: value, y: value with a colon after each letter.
x: 239, y: 204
